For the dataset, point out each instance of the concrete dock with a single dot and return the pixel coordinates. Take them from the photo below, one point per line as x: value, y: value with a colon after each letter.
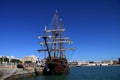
x: 12, y: 73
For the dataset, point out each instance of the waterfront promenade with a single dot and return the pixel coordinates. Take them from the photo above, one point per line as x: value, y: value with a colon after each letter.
x: 10, y: 72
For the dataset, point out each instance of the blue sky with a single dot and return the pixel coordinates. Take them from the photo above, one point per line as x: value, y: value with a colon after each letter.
x: 93, y: 25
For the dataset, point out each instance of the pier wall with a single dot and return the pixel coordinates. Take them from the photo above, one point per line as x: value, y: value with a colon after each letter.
x: 11, y: 72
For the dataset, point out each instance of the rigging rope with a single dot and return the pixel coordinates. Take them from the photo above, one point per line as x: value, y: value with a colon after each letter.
x: 71, y: 55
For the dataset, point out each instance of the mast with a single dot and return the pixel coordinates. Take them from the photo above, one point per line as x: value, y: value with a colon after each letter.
x: 55, y: 34
x: 61, y: 44
x: 45, y: 39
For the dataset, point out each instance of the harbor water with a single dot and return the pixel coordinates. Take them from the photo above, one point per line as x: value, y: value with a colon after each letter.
x: 84, y: 73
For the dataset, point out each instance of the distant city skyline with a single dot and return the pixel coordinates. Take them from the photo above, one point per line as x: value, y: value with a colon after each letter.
x: 93, y: 25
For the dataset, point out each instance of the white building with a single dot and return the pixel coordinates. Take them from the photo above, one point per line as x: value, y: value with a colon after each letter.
x: 80, y: 63
x: 32, y: 58
x: 108, y: 62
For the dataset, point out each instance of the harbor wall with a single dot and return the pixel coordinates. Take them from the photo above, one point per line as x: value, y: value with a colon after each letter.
x: 12, y: 73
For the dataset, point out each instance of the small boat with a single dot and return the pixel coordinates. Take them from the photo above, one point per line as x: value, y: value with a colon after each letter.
x: 54, y: 44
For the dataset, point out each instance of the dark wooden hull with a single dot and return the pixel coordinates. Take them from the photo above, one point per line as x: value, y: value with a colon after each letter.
x: 56, y: 67
x: 56, y: 70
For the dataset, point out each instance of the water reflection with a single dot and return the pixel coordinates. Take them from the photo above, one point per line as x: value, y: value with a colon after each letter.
x: 84, y: 73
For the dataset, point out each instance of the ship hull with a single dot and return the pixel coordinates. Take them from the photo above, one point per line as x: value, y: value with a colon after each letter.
x: 56, y: 70
x: 56, y: 67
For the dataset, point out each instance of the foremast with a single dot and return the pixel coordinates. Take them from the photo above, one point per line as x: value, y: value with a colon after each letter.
x: 54, y: 40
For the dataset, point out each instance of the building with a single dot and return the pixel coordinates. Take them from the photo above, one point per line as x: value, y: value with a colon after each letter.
x: 73, y: 63
x: 9, y: 60
x: 115, y: 62
x: 108, y: 62
x: 82, y: 63
x: 32, y: 58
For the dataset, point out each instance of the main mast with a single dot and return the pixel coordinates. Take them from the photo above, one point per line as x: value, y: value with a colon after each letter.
x: 55, y: 34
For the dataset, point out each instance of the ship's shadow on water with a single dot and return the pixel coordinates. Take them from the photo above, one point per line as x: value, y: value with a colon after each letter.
x: 84, y: 73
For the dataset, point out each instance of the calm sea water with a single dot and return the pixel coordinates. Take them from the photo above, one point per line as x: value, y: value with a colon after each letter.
x: 84, y: 73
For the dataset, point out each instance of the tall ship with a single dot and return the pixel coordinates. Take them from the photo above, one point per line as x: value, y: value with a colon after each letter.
x: 53, y: 44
